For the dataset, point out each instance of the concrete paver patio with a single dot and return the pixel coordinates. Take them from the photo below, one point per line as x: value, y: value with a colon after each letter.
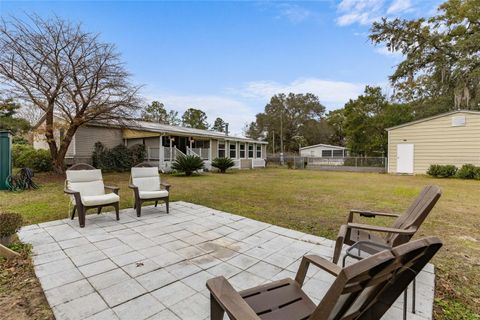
x: 156, y: 266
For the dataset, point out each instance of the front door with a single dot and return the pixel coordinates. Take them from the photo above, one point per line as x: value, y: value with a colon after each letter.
x: 405, y: 158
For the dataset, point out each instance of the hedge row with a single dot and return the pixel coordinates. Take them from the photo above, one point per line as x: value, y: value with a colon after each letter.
x: 467, y: 171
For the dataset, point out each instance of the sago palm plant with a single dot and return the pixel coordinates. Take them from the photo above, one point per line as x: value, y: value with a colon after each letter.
x: 222, y: 164
x: 187, y: 164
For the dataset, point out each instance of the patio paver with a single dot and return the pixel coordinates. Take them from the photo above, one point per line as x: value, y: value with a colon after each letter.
x: 155, y: 266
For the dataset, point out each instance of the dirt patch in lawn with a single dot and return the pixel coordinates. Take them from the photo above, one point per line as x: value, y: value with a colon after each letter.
x: 21, y: 296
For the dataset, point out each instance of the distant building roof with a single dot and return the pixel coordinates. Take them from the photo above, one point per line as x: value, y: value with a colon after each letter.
x: 323, y: 145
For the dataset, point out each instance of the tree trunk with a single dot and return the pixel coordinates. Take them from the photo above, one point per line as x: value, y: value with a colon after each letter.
x: 59, y: 160
x: 50, y: 137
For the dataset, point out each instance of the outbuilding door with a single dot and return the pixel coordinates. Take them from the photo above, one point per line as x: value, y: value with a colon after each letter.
x: 405, y: 158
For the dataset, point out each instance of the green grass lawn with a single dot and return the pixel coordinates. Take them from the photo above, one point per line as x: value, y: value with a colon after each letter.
x: 316, y: 202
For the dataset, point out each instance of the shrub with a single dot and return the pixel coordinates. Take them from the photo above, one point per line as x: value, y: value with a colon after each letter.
x: 138, y: 153
x: 26, y: 156
x: 17, y: 151
x: 10, y: 223
x: 119, y: 158
x: 101, y: 158
x: 187, y: 164
x: 467, y: 171
x: 222, y: 164
x: 290, y: 164
x: 442, y: 171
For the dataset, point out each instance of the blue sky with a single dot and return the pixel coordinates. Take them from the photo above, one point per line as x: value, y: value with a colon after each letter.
x: 228, y: 58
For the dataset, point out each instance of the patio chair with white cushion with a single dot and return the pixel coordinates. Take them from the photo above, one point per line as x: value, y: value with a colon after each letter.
x: 146, y: 186
x: 85, y: 186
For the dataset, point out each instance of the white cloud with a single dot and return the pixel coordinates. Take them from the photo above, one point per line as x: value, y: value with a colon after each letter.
x: 359, y: 11
x: 293, y: 12
x: 364, y: 12
x: 399, y: 6
x: 331, y: 93
x: 238, y: 106
x: 233, y: 111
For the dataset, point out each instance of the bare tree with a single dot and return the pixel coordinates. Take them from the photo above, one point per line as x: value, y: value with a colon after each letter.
x: 65, y: 72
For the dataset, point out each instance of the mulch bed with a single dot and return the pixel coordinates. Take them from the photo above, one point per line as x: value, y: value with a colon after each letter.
x: 21, y: 296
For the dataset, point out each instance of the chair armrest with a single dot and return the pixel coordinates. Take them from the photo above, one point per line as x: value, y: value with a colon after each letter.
x: 165, y: 185
x: 360, y: 226
x: 370, y: 214
x: 75, y: 194
x: 230, y: 300
x: 319, y: 262
x: 132, y: 186
x: 113, y: 188
x: 342, y: 233
x: 69, y: 191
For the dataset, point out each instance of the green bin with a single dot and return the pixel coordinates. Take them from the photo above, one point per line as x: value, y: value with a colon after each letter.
x: 5, y: 158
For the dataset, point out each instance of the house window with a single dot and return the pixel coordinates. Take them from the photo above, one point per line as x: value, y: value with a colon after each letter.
x: 338, y: 153
x: 326, y: 153
x: 250, y: 150
x: 221, y: 150
x: 259, y: 151
x: 233, y: 150
x: 242, y: 150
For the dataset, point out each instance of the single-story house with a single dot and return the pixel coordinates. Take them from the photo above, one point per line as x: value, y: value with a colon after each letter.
x: 163, y: 143
x: 449, y: 138
x: 323, y: 151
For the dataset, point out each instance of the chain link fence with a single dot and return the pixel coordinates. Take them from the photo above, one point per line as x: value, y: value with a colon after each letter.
x: 356, y: 164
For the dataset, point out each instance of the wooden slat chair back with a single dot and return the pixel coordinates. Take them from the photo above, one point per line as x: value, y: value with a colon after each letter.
x: 356, y: 287
x: 415, y: 214
x: 364, y: 290
x: 412, y: 257
x: 401, y: 231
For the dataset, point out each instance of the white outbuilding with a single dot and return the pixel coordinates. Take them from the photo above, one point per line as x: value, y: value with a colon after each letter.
x: 323, y: 151
x: 449, y: 138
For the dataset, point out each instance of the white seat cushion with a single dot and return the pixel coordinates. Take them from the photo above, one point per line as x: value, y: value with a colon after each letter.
x: 146, y: 179
x: 153, y: 194
x: 100, y: 199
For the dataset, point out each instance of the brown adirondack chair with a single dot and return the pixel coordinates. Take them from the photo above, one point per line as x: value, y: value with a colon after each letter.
x: 85, y: 186
x: 364, y: 290
x: 146, y: 186
x: 401, y: 231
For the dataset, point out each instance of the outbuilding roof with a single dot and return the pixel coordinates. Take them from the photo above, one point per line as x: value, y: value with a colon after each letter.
x: 323, y: 145
x: 431, y: 118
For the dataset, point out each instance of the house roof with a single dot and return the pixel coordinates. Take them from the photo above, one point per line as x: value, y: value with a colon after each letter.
x: 323, y: 145
x: 164, y: 128
x: 431, y: 118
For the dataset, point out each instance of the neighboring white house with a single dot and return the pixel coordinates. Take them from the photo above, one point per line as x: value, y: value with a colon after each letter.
x: 323, y: 151
x: 449, y: 138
